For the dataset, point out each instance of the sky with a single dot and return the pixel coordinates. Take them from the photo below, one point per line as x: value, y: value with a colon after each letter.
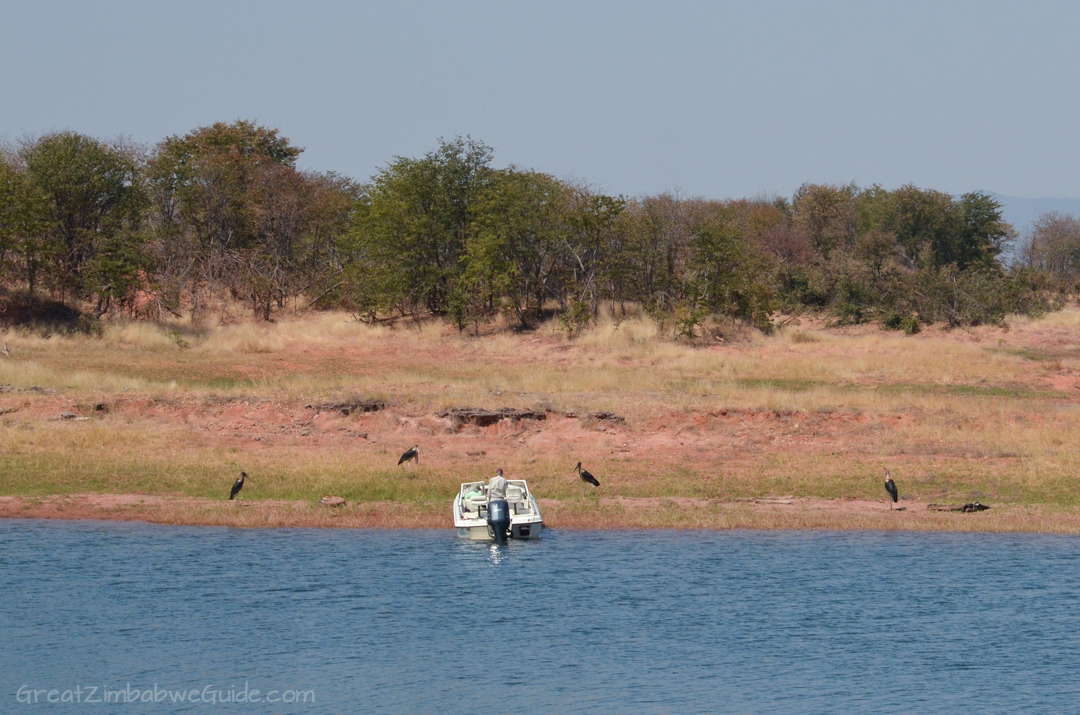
x: 715, y: 99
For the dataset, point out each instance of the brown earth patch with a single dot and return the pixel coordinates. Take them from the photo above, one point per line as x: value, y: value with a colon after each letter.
x: 601, y: 513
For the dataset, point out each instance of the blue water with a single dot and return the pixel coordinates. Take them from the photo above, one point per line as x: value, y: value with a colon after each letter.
x: 641, y: 622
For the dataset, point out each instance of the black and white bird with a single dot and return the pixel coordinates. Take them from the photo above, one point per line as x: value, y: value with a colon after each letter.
x: 237, y: 486
x: 890, y: 487
x: 585, y: 476
x: 412, y: 455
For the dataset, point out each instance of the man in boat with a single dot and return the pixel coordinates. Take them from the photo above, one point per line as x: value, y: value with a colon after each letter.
x: 498, y: 509
x: 497, y: 486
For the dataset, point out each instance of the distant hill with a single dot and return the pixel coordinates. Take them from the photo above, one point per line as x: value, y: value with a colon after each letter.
x: 1021, y: 213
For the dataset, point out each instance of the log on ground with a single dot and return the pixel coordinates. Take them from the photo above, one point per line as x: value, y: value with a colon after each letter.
x: 483, y: 417
x: 965, y: 508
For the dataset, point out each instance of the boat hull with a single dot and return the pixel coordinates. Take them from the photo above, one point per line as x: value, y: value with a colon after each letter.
x: 482, y: 532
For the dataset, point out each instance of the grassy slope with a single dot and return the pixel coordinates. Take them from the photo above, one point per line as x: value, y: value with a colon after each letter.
x: 987, y: 415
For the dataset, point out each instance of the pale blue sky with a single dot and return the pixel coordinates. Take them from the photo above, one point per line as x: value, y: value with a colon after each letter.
x: 712, y: 98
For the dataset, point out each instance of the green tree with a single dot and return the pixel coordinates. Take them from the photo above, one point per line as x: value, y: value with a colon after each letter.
x: 228, y: 211
x: 983, y: 234
x: 726, y: 276
x: 826, y: 216
x: 593, y: 221
x: 650, y: 257
x: 935, y: 229
x: 95, y: 203
x: 24, y: 224
x: 412, y: 227
x: 519, y: 242
x: 330, y: 202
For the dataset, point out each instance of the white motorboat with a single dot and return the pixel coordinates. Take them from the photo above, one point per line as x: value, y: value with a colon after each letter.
x: 473, y: 520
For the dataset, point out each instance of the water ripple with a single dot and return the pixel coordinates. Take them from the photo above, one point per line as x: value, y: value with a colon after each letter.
x: 646, y: 622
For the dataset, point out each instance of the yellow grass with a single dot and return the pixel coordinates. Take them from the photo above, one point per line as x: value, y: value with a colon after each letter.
x: 808, y: 411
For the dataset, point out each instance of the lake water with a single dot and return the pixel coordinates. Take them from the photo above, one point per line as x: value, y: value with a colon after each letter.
x: 628, y: 622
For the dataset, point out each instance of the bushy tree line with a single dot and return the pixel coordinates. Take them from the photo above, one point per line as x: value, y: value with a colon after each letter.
x: 116, y: 228
x: 447, y: 234
x: 125, y: 229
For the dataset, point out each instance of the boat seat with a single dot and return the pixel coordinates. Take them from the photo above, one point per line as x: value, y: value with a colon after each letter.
x: 472, y: 505
x: 520, y: 507
x: 514, y: 493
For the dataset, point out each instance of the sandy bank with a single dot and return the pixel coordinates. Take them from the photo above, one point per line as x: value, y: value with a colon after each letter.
x: 591, y: 513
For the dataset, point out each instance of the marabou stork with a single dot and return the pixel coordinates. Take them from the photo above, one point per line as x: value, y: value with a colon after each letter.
x: 585, y: 476
x: 890, y: 487
x: 237, y: 486
x: 411, y: 455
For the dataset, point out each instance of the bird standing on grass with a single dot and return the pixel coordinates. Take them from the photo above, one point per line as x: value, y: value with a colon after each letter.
x: 237, y: 486
x: 585, y: 476
x: 890, y: 487
x: 412, y: 455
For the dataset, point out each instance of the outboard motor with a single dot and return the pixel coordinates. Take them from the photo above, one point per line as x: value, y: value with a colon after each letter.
x: 499, y: 519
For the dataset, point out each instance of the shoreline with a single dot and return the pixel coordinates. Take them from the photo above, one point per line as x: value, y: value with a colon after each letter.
x: 650, y: 513
x: 134, y: 427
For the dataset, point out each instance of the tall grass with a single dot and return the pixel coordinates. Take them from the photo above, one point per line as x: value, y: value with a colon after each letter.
x: 952, y: 414
x: 625, y: 365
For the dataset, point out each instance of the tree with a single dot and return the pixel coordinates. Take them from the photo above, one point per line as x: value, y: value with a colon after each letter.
x: 935, y: 229
x: 654, y: 235
x: 331, y: 202
x: 923, y: 222
x: 725, y: 275
x: 225, y: 200
x: 1054, y: 245
x: 982, y: 235
x: 875, y: 247
x: 593, y: 230
x: 24, y: 223
x: 412, y: 227
x: 825, y: 215
x: 519, y: 242
x: 95, y: 203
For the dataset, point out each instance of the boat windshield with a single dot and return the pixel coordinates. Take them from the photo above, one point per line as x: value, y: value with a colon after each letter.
x: 474, y: 497
x: 516, y: 490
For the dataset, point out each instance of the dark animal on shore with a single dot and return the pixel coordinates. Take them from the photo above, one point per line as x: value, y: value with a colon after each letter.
x: 412, y: 455
x: 890, y: 487
x: 237, y: 486
x: 585, y: 476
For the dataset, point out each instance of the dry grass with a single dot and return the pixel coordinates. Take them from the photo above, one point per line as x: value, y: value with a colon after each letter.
x: 815, y: 370
x: 811, y: 412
